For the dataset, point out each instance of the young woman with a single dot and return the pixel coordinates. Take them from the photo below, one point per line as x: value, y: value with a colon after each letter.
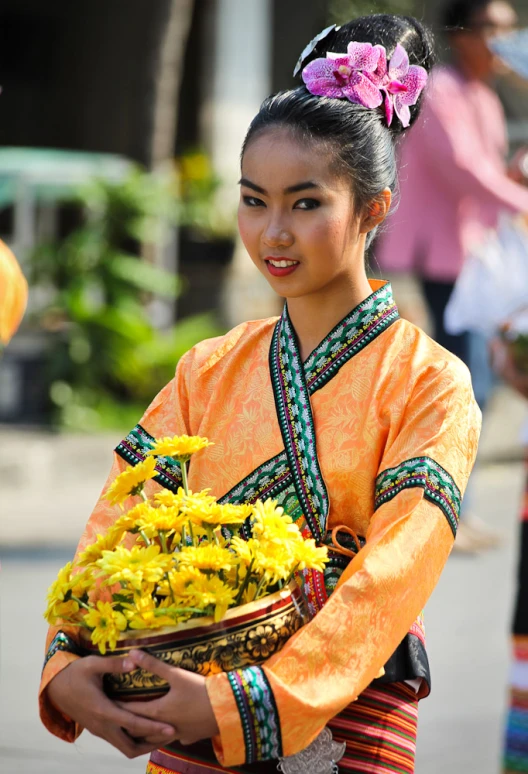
x: 349, y: 416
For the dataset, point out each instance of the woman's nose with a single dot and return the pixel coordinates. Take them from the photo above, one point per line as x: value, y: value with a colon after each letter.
x: 277, y: 235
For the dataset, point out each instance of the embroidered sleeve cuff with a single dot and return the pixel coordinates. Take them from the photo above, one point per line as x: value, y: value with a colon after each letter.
x: 53, y: 719
x: 423, y: 472
x: 229, y: 744
x: 134, y: 449
x: 248, y: 719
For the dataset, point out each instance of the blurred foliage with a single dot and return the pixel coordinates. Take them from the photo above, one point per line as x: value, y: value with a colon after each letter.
x: 342, y: 11
x: 105, y: 352
x: 198, y: 187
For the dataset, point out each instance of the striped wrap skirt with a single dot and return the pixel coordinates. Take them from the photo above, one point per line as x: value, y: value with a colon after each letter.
x: 379, y: 730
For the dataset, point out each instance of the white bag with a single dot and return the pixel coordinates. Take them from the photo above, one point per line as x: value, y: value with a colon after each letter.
x: 493, y: 284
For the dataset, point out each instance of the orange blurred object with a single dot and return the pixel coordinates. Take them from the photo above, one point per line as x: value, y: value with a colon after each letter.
x: 13, y: 294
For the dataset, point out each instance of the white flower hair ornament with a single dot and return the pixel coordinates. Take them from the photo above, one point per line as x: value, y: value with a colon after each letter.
x: 364, y: 77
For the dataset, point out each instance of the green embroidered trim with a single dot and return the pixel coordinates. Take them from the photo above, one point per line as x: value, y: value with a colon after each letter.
x: 133, y: 449
x: 258, y: 713
x: 294, y: 383
x: 268, y: 480
x: 63, y: 642
x: 296, y: 423
x: 364, y: 323
x: 439, y: 487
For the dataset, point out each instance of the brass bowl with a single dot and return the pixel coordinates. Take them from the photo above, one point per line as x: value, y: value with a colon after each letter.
x: 247, y: 635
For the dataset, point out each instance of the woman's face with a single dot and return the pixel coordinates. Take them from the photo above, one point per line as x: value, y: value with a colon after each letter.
x: 296, y: 217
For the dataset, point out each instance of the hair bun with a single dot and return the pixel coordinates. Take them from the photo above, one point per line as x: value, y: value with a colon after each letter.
x: 389, y: 31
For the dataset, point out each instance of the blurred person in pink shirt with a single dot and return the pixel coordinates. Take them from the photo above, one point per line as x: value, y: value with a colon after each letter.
x: 453, y: 182
x: 454, y: 185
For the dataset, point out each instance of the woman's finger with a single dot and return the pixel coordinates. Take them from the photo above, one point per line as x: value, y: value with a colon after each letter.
x: 138, y: 658
x: 139, y: 726
x: 100, y: 665
x: 122, y: 741
x: 157, y: 742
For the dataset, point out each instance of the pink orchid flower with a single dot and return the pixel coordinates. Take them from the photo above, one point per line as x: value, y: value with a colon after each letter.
x: 346, y: 75
x: 402, y: 83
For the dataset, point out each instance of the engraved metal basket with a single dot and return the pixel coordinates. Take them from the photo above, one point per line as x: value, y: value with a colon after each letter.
x: 247, y: 635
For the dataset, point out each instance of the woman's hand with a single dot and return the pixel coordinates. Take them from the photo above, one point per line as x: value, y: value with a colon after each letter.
x: 186, y: 706
x: 77, y: 691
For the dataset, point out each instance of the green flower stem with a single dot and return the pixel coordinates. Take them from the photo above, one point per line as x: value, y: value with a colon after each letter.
x: 262, y: 583
x: 145, y: 538
x: 163, y: 541
x: 167, y: 578
x: 142, y: 494
x: 178, y: 610
x: 191, y: 532
x: 290, y: 577
x: 185, y: 482
x: 244, y: 585
x: 80, y: 602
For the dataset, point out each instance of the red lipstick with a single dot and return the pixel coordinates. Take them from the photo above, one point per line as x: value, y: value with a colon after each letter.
x: 280, y: 271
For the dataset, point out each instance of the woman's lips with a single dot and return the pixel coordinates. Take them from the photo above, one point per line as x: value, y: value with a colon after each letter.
x: 281, y: 267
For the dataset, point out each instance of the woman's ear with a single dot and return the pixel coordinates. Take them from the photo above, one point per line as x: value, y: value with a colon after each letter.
x: 376, y: 212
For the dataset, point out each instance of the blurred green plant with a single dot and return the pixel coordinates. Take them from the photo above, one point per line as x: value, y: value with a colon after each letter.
x: 105, y: 353
x: 198, y: 188
x: 342, y: 11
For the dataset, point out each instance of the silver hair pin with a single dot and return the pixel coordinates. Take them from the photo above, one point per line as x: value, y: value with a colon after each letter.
x: 311, y: 46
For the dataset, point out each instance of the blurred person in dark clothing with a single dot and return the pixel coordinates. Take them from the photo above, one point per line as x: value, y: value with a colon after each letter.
x: 515, y: 755
x: 455, y: 185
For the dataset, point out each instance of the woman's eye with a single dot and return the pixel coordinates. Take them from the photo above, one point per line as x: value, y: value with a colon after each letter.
x: 252, y: 201
x: 306, y: 204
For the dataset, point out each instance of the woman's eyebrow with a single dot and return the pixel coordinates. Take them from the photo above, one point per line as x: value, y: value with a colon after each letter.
x: 301, y: 187
x: 289, y: 190
x: 248, y: 184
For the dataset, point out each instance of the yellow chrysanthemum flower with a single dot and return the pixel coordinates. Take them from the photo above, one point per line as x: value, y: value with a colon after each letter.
x: 141, y: 614
x: 270, y: 522
x: 180, y: 582
x: 131, y: 481
x: 180, y: 447
x: 216, y: 515
x: 195, y: 502
x: 106, y: 542
x: 213, y: 592
x: 106, y: 624
x: 244, y: 549
x: 64, y: 611
x: 134, y: 566
x: 60, y: 586
x: 250, y: 593
x: 309, y: 556
x: 165, y: 519
x: 274, y: 563
x: 208, y: 558
x: 60, y: 605
x: 168, y: 498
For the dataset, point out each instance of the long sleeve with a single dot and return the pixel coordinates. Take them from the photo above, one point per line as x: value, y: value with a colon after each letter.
x: 165, y: 416
x: 279, y: 708
x: 451, y: 138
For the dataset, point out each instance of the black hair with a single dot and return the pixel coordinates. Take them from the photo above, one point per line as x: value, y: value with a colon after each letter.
x: 460, y: 14
x: 359, y: 139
